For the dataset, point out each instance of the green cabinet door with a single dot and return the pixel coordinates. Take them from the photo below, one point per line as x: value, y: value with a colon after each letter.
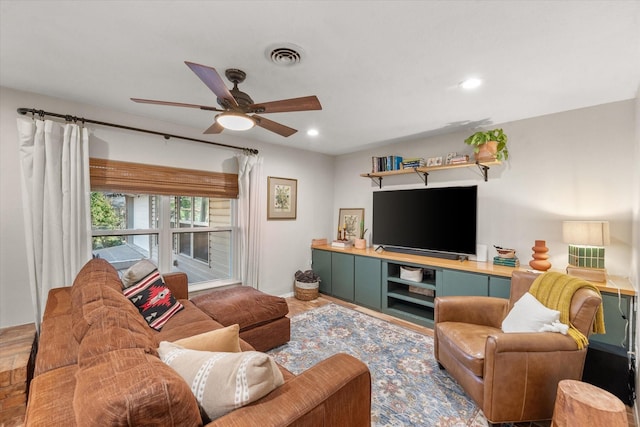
x: 499, y: 287
x: 321, y: 265
x: 462, y: 283
x: 368, y: 283
x: 614, y: 324
x: 342, y: 270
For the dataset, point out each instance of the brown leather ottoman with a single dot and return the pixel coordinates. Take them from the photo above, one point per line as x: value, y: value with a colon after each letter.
x: 262, y: 317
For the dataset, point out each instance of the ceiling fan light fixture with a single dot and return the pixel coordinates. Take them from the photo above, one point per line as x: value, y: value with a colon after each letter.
x: 235, y: 121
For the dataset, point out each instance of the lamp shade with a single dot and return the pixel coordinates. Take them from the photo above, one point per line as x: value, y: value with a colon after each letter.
x: 586, y: 233
x: 235, y: 121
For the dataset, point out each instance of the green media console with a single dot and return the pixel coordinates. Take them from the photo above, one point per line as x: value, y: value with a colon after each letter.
x: 373, y: 280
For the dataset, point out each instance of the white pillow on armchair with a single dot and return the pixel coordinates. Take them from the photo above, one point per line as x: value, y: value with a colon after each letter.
x: 529, y: 315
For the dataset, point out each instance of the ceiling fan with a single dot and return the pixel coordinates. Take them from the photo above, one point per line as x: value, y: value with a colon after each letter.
x: 237, y: 109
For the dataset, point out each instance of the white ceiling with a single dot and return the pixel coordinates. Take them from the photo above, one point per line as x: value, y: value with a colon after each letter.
x: 383, y: 70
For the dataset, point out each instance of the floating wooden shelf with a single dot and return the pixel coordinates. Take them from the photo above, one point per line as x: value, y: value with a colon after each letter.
x: 423, y: 172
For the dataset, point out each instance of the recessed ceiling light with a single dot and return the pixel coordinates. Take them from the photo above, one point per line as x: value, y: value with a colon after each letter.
x: 471, y: 83
x: 313, y: 132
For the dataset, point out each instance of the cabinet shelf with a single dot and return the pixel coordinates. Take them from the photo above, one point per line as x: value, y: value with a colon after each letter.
x: 405, y: 295
x: 411, y: 312
x: 423, y: 284
x: 423, y: 172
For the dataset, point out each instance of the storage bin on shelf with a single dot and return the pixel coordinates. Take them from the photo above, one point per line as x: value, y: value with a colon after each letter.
x: 413, y: 274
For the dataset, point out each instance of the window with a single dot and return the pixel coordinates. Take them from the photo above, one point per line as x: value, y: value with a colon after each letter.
x: 191, y: 232
x: 195, y: 231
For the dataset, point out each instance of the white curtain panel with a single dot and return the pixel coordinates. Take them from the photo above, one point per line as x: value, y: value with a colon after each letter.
x: 55, y: 198
x: 250, y: 211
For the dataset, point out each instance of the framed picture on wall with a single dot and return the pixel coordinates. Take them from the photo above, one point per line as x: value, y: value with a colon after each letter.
x: 350, y: 219
x: 282, y: 198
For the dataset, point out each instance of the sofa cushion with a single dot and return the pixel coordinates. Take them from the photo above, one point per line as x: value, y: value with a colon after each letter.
x: 58, y: 302
x: 224, y: 339
x: 57, y: 347
x: 129, y: 387
x: 189, y: 321
x: 143, y: 285
x: 97, y: 285
x: 243, y: 305
x: 51, y: 397
x: 222, y: 382
x: 114, y: 330
x: 529, y: 315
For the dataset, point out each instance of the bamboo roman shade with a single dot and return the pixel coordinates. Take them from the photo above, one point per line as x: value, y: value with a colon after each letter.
x: 112, y: 175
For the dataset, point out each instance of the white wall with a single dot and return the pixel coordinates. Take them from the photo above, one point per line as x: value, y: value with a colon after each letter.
x: 286, y: 243
x: 573, y: 165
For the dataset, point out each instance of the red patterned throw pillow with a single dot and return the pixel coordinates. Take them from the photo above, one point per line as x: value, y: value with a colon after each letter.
x: 144, y: 286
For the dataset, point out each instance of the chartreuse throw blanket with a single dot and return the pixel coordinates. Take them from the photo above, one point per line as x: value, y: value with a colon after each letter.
x: 555, y: 291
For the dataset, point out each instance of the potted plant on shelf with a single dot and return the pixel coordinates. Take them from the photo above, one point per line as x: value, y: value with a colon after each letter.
x: 489, y: 144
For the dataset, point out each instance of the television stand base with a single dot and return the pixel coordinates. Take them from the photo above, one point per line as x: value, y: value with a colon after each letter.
x: 433, y: 254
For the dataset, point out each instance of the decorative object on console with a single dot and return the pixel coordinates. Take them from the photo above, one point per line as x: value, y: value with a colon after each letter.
x: 509, y: 262
x: 341, y: 243
x: 318, y: 242
x: 540, y: 257
x: 506, y: 257
x: 586, y: 241
x: 361, y: 243
x: 505, y: 252
x: 489, y: 145
x: 282, y: 198
x: 350, y: 220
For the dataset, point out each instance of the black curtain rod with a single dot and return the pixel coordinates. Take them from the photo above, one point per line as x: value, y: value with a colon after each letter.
x: 70, y: 118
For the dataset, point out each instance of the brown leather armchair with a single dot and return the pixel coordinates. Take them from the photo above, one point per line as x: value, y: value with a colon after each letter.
x: 510, y: 376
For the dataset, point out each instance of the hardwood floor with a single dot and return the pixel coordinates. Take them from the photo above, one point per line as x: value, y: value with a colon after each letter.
x: 296, y: 307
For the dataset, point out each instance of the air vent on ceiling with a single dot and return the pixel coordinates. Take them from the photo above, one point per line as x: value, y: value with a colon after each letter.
x: 285, y: 55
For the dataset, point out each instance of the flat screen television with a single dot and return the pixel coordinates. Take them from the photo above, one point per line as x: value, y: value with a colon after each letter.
x: 432, y: 221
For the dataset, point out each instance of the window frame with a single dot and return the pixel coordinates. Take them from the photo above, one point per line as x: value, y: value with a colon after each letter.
x: 165, y: 183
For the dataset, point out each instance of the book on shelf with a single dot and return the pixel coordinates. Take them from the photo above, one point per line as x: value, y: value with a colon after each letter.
x: 386, y: 163
x: 509, y: 262
x: 459, y: 159
x: 341, y: 243
x: 414, y: 162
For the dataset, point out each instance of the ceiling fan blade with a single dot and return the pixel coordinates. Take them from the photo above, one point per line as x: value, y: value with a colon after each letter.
x: 272, y: 126
x: 175, y: 104
x: 305, y: 103
x: 212, y: 79
x: 214, y: 128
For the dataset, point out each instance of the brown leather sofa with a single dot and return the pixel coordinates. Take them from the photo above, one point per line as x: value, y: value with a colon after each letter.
x: 97, y: 364
x: 511, y: 376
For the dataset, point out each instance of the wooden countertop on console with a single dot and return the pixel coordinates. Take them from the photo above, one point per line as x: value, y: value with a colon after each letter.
x: 614, y: 284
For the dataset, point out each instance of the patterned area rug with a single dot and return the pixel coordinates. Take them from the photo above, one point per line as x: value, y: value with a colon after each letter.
x: 408, y: 388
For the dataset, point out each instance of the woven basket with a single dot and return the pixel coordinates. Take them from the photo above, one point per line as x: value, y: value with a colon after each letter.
x: 306, y: 291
